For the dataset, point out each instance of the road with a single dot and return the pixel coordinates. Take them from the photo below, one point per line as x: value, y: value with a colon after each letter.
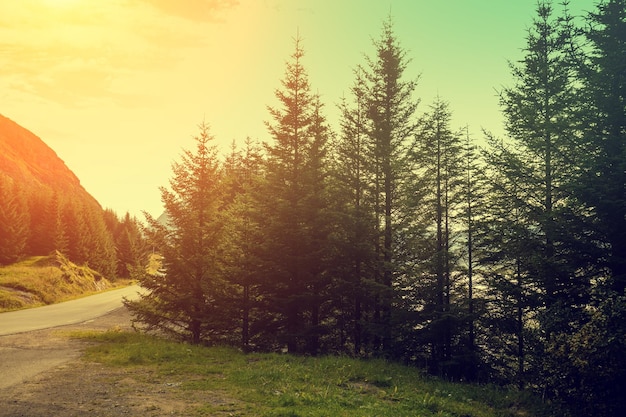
x: 69, y: 312
x: 27, y: 346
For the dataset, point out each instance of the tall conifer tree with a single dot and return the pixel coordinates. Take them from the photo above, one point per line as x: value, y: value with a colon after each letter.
x: 355, y: 242
x: 537, y: 176
x: 604, y: 185
x: 436, y: 206
x: 295, y: 207
x: 595, y: 379
x: 242, y: 263
x: 187, y: 299
x: 391, y: 110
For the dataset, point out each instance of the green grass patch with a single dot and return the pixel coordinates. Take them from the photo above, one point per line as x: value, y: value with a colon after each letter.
x: 283, y: 385
x: 41, y: 280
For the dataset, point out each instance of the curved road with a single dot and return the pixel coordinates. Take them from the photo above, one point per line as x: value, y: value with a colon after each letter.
x: 25, y: 353
x: 69, y: 312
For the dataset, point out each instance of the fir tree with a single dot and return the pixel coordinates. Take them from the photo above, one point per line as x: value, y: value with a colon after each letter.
x: 537, y: 175
x: 356, y: 234
x: 391, y: 108
x: 186, y: 299
x: 436, y: 205
x: 294, y: 214
x: 242, y: 239
x: 603, y: 184
x: 594, y: 378
x: 14, y: 222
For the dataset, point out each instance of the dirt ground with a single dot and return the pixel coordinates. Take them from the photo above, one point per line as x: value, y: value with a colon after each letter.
x: 75, y: 387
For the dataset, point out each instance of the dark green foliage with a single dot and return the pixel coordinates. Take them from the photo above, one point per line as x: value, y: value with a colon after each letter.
x: 293, y: 200
x: 473, y: 202
x: 354, y: 238
x: 603, y: 176
x: 590, y: 371
x: 242, y: 263
x: 14, y: 222
x: 391, y: 112
x: 395, y: 239
x: 554, y: 235
x: 534, y: 182
x: 435, y: 201
x: 186, y: 300
x: 130, y: 245
x: 587, y: 368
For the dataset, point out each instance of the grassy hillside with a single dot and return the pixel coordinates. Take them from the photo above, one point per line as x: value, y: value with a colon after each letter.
x: 283, y: 385
x: 41, y: 280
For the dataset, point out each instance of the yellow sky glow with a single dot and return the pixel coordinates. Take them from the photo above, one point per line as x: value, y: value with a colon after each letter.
x: 60, y: 3
x: 118, y: 87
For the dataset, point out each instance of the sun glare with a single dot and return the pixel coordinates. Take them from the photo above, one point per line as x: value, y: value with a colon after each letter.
x: 60, y: 3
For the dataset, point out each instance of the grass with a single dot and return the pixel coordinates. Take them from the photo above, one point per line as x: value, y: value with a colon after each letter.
x: 41, y: 280
x: 280, y: 385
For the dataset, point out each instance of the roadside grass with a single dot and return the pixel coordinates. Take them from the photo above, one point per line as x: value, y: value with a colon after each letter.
x: 280, y: 385
x: 42, y: 280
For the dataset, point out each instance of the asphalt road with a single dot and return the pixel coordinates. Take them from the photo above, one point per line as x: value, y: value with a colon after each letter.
x: 27, y: 349
x: 61, y: 314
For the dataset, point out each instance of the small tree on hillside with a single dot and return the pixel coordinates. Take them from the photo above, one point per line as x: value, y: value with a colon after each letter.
x: 13, y: 222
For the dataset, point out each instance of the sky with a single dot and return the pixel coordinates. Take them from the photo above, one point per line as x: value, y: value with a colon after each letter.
x: 117, y: 88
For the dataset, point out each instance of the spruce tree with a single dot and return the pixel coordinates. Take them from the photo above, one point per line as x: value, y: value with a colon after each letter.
x: 472, y: 189
x: 14, y: 222
x: 57, y: 233
x: 42, y: 221
x: 603, y: 185
x: 355, y: 240
x: 595, y: 377
x: 294, y: 213
x: 537, y: 175
x: 186, y: 299
x: 507, y: 247
x: 391, y: 110
x: 242, y: 264
x: 436, y: 198
x: 75, y: 224
x: 131, y: 248
x: 100, y: 245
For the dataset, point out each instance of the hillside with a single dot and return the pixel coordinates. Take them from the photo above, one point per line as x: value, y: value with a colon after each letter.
x: 42, y: 280
x: 44, y: 209
x: 26, y: 159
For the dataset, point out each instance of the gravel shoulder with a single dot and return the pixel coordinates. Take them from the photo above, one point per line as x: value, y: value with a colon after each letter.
x: 43, y: 375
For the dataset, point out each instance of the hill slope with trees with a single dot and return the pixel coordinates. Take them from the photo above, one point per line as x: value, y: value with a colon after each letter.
x: 44, y: 208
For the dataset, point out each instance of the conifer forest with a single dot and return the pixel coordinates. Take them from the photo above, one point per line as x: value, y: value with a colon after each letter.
x: 398, y: 234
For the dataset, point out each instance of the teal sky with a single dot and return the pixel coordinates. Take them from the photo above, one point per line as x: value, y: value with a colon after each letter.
x: 117, y: 88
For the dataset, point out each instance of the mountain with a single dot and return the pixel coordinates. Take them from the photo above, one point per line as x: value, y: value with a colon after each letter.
x: 26, y: 159
x: 44, y: 208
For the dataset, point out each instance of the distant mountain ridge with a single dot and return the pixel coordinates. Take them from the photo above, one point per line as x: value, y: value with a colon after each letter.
x: 29, y: 161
